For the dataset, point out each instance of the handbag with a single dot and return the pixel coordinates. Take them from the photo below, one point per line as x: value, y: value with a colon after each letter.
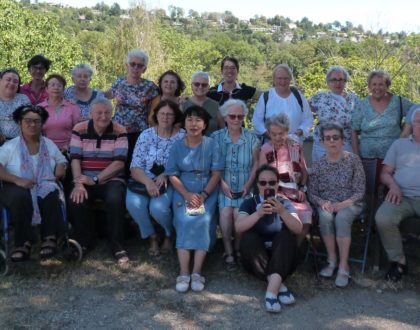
x: 140, y: 188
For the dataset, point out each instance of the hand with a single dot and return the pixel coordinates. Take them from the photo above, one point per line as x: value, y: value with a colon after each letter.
x: 246, y: 189
x: 84, y: 180
x: 60, y: 172
x: 194, y: 200
x: 394, y: 194
x: 79, y: 193
x: 265, y: 209
x: 225, y: 188
x: 277, y: 207
x: 327, y: 206
x: 161, y: 180
x: 301, y: 196
x: 152, y: 188
x: 25, y: 183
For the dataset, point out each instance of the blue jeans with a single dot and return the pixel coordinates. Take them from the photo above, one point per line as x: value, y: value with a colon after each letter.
x: 143, y: 208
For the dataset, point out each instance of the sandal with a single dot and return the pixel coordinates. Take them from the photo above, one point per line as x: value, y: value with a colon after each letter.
x: 229, y: 261
x: 328, y: 271
x: 21, y: 253
x: 122, y: 258
x: 396, y: 271
x: 153, y: 250
x: 48, y: 247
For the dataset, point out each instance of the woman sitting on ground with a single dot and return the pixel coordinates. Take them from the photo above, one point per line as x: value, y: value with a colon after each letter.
x: 30, y: 165
x: 268, y: 220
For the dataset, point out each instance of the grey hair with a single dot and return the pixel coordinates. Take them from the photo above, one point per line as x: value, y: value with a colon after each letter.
x: 82, y: 66
x: 284, y: 67
x: 338, y: 69
x: 330, y: 126
x: 139, y: 54
x: 201, y: 74
x: 280, y: 120
x: 379, y: 73
x: 224, y: 109
x: 416, y: 109
x: 102, y: 100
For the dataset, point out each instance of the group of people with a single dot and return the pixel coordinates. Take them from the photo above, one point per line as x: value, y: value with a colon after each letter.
x: 188, y: 164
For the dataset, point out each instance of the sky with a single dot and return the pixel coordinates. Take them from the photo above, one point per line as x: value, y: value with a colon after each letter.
x: 388, y: 15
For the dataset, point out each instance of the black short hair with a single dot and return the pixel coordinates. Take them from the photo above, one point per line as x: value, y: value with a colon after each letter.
x: 24, y: 109
x: 40, y: 59
x: 230, y: 59
x: 269, y: 168
x: 59, y: 77
x: 200, y: 112
x: 12, y: 70
x: 175, y: 108
x: 181, y: 85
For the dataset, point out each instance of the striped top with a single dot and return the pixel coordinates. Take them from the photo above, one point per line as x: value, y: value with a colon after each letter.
x: 97, y: 152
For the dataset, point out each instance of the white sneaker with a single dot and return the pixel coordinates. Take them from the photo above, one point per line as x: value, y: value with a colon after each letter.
x: 182, y: 283
x: 342, y: 279
x: 285, y: 296
x: 197, y: 282
x: 328, y: 271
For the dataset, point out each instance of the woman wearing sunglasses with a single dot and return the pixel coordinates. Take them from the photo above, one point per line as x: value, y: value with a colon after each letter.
x: 240, y: 149
x: 268, y: 224
x: 200, y: 87
x: 336, y: 188
x: 133, y: 95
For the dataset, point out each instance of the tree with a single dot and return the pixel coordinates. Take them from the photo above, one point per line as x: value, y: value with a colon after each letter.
x: 115, y: 10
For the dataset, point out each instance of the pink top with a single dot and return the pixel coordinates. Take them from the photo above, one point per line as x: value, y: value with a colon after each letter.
x: 33, y: 97
x: 60, y: 124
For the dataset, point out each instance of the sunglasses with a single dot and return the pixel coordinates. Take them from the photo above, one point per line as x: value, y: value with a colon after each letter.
x: 264, y: 183
x: 136, y: 65
x: 197, y: 84
x: 331, y: 137
x: 238, y: 117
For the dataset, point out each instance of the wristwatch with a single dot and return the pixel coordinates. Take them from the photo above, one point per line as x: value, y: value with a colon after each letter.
x: 95, y: 180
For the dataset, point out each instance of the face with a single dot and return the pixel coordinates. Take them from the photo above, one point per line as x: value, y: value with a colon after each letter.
x: 416, y: 126
x: 165, y: 117
x: 333, y: 141
x: 282, y: 79
x: 37, y: 71
x: 101, y: 116
x: 169, y: 85
x: 377, y: 87
x: 31, y: 124
x: 278, y: 135
x: 200, y: 86
x: 9, y: 83
x: 267, y: 179
x: 55, y: 88
x: 235, y: 116
x: 82, y: 79
x: 135, y: 67
x: 337, y: 82
x: 229, y: 72
x: 194, y: 126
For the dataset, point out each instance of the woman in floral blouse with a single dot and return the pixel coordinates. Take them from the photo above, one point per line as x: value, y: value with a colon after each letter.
x: 334, y: 105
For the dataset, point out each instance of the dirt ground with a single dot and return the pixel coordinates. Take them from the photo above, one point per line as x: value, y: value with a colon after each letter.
x: 98, y: 294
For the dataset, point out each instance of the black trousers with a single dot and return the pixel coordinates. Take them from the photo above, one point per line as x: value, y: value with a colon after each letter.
x: 18, y: 202
x: 261, y: 262
x: 131, y: 139
x: 113, y: 195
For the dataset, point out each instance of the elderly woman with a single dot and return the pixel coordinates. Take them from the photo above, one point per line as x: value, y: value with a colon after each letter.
x: 283, y: 98
x: 63, y: 114
x: 148, y: 194
x: 240, y: 149
x: 80, y: 93
x: 36, y: 89
x: 286, y: 155
x: 194, y: 169
x: 336, y: 188
x: 268, y: 220
x: 98, y: 150
x: 229, y: 87
x: 171, y: 87
x: 30, y: 164
x: 10, y: 99
x: 376, y: 122
x: 200, y: 87
x: 335, y: 105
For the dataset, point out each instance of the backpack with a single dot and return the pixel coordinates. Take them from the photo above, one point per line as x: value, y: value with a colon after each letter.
x: 295, y: 92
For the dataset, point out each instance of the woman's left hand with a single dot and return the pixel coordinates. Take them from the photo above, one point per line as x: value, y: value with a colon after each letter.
x: 301, y: 196
x: 161, y: 180
x: 276, y: 205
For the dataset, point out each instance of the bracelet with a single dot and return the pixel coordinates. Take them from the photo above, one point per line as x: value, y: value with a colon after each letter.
x: 206, y: 195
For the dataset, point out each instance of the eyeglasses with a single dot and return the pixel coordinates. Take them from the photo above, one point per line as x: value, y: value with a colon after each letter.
x: 229, y: 68
x: 136, y: 65
x: 331, y: 137
x: 30, y: 121
x: 166, y: 114
x: 197, y: 84
x: 234, y: 117
x: 333, y: 80
x: 264, y: 182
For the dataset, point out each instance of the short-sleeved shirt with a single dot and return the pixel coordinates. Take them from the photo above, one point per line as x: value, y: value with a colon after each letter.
x: 8, y: 127
x: 97, y: 152
x: 240, y: 92
x: 83, y: 105
x: 268, y: 225
x: 32, y: 96
x: 132, y: 107
x: 213, y: 110
x: 404, y: 157
x: 59, y: 125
